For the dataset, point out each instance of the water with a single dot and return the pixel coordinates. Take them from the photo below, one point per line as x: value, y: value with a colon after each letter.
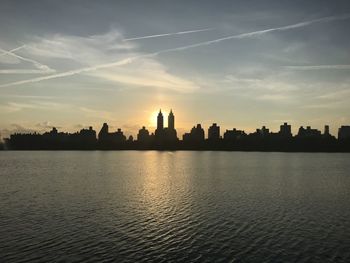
x: 174, y: 207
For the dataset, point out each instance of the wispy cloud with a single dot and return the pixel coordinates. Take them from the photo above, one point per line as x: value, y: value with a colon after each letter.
x: 100, y: 114
x: 41, y: 68
x: 38, y: 105
x: 273, y: 97
x: 25, y: 71
x: 94, y: 49
x: 28, y: 96
x: 129, y: 60
x: 271, y: 84
x: 169, y: 34
x: 318, y: 67
x: 46, y: 125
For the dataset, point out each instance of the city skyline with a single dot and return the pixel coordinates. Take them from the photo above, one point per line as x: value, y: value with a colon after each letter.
x: 165, y: 137
x: 237, y: 64
x: 165, y: 120
x: 163, y: 128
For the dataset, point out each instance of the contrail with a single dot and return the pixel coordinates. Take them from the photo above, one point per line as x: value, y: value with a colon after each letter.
x: 261, y: 32
x: 12, y: 50
x: 205, y: 43
x: 77, y: 71
x: 169, y: 34
x: 24, y: 71
x: 43, y: 68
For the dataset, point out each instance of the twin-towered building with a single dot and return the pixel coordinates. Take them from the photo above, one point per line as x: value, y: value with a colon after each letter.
x: 163, y: 134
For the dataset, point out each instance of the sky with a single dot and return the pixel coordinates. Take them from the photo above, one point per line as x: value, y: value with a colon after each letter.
x: 241, y: 64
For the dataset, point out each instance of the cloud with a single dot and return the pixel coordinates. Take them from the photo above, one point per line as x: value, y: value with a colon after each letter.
x: 318, y: 67
x: 100, y: 114
x: 328, y: 105
x: 39, y: 97
x: 24, y: 71
x: 133, y: 58
x: 9, y: 108
x: 340, y: 95
x: 272, y: 84
x: 169, y: 34
x: 273, y: 97
x: 46, y: 125
x: 19, y: 128
x: 147, y: 73
x: 86, y: 51
x: 38, y: 105
x: 98, y: 49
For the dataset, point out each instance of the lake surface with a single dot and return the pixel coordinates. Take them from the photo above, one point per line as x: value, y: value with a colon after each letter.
x: 149, y: 206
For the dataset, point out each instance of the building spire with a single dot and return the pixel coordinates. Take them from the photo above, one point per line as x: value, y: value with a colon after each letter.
x: 160, y: 123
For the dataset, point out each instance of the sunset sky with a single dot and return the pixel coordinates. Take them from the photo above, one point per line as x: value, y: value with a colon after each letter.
x: 242, y: 64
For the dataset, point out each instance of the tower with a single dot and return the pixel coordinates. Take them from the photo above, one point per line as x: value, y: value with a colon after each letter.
x: 171, y: 121
x: 160, y: 121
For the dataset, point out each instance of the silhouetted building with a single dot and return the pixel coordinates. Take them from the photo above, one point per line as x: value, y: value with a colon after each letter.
x: 234, y: 134
x: 54, y: 131
x: 165, y: 135
x: 263, y: 132
x: 170, y: 132
x: 143, y: 135
x: 214, y: 132
x: 103, y: 134
x: 326, y: 130
x: 159, y: 133
x: 308, y: 132
x: 118, y: 136
x: 108, y: 139
x: 285, y: 130
x: 160, y: 121
x: 171, y: 121
x: 344, y: 133
x: 196, y: 135
x: 2, y: 144
x: 88, y: 133
x: 84, y: 139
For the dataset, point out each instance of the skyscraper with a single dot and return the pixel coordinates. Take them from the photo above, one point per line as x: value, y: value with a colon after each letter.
x: 171, y: 121
x: 160, y: 121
